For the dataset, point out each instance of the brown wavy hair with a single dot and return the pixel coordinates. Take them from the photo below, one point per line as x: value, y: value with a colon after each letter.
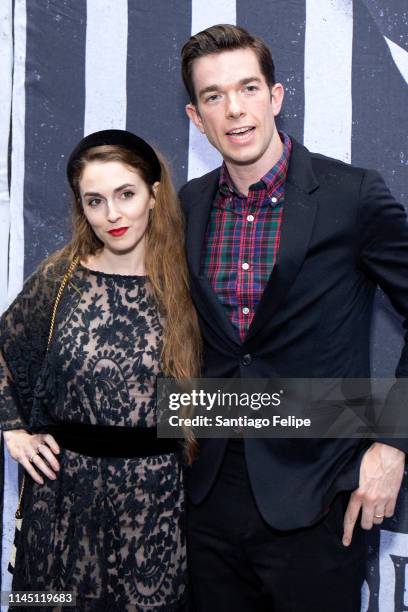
x: 165, y: 263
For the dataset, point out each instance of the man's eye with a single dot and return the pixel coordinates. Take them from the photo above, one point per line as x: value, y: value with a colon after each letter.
x: 251, y: 88
x: 212, y: 98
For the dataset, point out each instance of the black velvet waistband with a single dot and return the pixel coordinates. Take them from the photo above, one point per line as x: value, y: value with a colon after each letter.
x: 111, y: 441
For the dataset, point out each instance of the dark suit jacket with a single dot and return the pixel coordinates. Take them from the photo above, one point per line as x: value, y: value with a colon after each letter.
x: 342, y: 234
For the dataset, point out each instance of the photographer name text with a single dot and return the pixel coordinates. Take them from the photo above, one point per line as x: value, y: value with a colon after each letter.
x: 243, y: 421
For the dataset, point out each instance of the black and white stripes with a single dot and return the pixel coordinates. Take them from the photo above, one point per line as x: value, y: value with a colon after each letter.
x: 69, y: 68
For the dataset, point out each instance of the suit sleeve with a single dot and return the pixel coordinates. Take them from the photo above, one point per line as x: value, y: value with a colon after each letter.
x: 383, y: 256
x: 23, y: 341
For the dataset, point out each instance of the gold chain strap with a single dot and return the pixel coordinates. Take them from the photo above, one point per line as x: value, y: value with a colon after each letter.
x: 19, y: 513
x: 67, y: 276
x: 62, y: 286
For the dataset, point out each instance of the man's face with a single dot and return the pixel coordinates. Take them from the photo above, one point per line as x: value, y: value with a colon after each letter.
x: 235, y: 107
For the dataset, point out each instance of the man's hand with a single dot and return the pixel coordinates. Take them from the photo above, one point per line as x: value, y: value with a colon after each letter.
x: 381, y: 472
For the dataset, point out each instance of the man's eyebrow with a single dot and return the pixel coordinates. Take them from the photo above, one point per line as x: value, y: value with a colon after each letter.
x: 212, y: 88
x: 95, y: 193
x: 250, y: 80
x: 208, y: 89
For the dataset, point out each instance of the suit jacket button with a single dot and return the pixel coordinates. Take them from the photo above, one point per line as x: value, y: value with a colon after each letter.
x: 246, y: 359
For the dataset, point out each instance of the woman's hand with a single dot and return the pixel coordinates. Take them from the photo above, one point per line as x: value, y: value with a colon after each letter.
x: 35, y: 452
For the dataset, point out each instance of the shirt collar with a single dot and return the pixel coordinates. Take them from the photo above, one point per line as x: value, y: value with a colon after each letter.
x: 273, y: 179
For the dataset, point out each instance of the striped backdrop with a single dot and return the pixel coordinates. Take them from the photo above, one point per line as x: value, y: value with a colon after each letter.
x: 69, y: 68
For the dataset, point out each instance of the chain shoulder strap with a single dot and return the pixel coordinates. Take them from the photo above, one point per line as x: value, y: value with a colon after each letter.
x: 66, y: 277
x: 60, y: 291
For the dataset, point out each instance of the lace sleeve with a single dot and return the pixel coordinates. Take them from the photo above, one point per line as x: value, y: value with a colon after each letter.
x: 24, y: 328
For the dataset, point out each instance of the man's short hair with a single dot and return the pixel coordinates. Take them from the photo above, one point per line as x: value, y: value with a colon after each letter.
x: 219, y: 38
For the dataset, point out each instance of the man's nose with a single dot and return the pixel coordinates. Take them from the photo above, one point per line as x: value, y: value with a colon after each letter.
x: 235, y: 107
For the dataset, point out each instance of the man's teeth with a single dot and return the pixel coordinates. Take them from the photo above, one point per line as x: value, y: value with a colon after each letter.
x: 240, y: 131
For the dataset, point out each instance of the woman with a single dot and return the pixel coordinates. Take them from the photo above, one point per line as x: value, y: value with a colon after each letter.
x: 103, y: 499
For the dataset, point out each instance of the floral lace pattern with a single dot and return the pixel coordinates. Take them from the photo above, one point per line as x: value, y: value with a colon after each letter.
x: 111, y: 530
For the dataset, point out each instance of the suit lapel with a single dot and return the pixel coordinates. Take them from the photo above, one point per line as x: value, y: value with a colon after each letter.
x: 213, y: 312
x: 207, y: 302
x: 297, y: 224
x: 197, y: 222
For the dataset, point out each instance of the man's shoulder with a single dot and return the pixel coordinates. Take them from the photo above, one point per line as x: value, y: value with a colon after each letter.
x: 326, y: 166
x: 197, y: 184
x: 324, y: 162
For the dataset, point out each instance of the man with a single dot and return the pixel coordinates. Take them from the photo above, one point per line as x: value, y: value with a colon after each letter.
x: 285, y: 249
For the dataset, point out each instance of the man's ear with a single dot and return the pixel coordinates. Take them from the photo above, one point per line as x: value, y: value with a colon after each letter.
x: 195, y: 117
x: 277, y: 94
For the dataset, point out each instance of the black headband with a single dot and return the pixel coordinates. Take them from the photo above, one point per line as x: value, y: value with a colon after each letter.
x: 122, y: 138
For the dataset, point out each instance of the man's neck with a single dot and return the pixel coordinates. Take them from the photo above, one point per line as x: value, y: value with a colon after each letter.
x: 243, y: 176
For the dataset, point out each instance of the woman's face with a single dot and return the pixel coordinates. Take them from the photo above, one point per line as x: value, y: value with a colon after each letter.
x: 116, y: 203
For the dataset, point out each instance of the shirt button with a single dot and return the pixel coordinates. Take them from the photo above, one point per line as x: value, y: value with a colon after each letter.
x: 274, y: 200
x: 250, y: 218
x: 245, y: 266
x: 245, y: 310
x: 246, y: 359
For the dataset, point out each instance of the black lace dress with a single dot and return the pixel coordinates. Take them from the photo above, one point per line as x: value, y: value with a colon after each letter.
x: 110, y: 530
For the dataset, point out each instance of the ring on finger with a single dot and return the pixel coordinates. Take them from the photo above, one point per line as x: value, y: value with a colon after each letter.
x: 379, y: 516
x: 31, y: 459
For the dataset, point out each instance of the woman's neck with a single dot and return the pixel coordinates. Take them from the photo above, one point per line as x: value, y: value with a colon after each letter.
x: 117, y: 263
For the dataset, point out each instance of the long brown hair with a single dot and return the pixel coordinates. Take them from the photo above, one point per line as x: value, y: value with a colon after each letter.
x: 165, y: 263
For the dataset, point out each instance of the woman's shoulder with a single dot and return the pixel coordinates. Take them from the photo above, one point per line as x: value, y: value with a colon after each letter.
x: 40, y: 287
x: 53, y: 268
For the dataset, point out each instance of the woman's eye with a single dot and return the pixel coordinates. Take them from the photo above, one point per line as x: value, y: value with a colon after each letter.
x: 127, y: 194
x: 94, y: 202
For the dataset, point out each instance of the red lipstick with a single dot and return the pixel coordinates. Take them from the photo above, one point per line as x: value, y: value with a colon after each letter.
x: 119, y: 231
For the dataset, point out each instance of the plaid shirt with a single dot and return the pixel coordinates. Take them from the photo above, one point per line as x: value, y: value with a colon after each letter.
x: 242, y: 240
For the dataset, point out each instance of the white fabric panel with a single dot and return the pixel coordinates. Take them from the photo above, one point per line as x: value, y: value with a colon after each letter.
x: 202, y: 157
x: 105, y: 65
x: 390, y: 544
x: 400, y: 57
x: 16, y: 263
x: 328, y: 74
x: 16, y: 254
x: 211, y: 12
x: 10, y: 501
x: 365, y: 597
x: 6, y: 72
